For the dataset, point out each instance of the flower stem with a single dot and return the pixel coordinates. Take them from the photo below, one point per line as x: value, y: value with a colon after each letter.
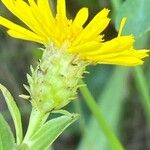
x: 143, y: 90
x: 96, y: 110
x: 37, y: 119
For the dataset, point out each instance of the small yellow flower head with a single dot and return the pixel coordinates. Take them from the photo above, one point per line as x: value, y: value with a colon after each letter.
x: 69, y: 48
x: 87, y: 43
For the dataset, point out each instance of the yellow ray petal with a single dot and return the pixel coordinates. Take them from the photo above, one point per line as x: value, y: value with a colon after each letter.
x: 141, y: 53
x: 35, y: 22
x: 47, y: 13
x: 85, y: 48
x: 42, y: 21
x: 117, y: 59
x: 127, y: 53
x: 94, y: 28
x: 122, y: 56
x: 124, y: 61
x: 115, y: 45
x: 123, y: 22
x: 25, y: 36
x: 16, y: 8
x: 98, y: 21
x: 81, y: 17
x: 45, y: 5
x: 14, y: 27
x: 9, y: 4
x: 32, y: 3
x: 61, y: 9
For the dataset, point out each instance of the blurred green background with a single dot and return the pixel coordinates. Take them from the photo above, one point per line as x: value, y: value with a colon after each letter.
x: 123, y: 93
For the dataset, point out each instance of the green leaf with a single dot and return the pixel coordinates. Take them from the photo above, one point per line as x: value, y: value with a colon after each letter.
x: 48, y: 133
x: 15, y: 113
x: 7, y: 141
x: 111, y: 101
x: 137, y: 13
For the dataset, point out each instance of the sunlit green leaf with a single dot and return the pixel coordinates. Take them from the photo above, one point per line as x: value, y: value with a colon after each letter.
x: 7, y: 141
x: 48, y: 133
x: 15, y: 113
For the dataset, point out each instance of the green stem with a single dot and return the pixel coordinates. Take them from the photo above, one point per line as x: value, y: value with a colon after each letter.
x: 37, y: 119
x: 143, y: 90
x: 97, y: 112
x: 78, y: 109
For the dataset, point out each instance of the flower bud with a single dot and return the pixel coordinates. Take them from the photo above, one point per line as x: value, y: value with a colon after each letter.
x: 54, y: 82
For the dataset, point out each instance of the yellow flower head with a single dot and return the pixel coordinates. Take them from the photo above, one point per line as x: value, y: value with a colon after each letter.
x: 45, y: 27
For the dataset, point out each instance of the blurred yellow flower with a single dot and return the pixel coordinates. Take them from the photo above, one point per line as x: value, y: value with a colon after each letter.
x: 86, y: 42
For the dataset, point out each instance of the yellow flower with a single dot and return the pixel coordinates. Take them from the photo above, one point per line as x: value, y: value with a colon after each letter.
x: 88, y: 43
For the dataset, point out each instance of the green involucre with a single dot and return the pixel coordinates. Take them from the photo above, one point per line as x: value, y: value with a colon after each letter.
x: 54, y: 82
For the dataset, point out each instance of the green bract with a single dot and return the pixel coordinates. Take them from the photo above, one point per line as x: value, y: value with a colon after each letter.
x: 54, y: 82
